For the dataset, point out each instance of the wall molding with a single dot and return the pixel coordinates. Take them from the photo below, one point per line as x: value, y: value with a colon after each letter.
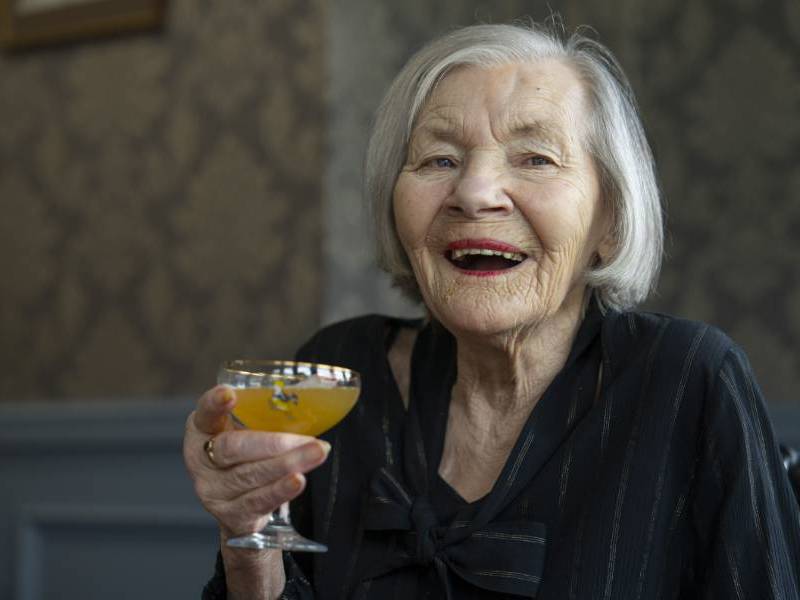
x: 106, y: 480
x: 786, y: 421
x: 36, y: 521
x: 127, y: 424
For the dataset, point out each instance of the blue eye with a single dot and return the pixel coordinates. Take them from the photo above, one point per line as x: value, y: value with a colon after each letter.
x: 441, y: 162
x: 538, y: 161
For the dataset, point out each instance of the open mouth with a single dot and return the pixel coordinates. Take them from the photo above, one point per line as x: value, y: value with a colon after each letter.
x: 484, y: 259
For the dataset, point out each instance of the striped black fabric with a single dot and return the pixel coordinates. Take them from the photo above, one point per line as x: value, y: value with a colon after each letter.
x: 664, y: 483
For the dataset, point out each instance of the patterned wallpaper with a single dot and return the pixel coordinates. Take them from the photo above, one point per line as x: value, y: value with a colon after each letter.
x: 160, y: 197
x: 177, y: 198
x: 719, y: 86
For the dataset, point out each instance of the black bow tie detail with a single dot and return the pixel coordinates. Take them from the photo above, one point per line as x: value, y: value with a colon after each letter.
x: 505, y: 557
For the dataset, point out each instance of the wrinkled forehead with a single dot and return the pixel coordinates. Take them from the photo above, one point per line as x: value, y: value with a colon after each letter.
x: 545, y: 99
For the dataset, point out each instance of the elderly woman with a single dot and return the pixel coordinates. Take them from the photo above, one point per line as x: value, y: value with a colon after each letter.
x: 533, y: 437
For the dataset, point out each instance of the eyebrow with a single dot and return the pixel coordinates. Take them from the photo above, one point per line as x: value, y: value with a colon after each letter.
x: 446, y: 130
x: 441, y: 130
x: 538, y: 129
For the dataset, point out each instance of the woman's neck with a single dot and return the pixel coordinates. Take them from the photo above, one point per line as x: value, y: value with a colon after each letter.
x: 507, y: 373
x: 499, y: 382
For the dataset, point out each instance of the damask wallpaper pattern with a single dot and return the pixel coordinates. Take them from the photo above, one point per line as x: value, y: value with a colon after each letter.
x: 719, y: 86
x: 160, y: 198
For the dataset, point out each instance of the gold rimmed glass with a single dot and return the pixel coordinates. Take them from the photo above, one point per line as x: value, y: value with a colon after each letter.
x: 291, y: 397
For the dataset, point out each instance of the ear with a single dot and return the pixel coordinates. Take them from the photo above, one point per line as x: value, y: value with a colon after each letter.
x: 606, y: 247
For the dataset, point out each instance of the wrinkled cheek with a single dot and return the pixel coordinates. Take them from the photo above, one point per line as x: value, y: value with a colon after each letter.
x: 403, y: 223
x: 436, y: 286
x: 423, y: 269
x: 410, y: 239
x: 551, y: 277
x: 567, y: 268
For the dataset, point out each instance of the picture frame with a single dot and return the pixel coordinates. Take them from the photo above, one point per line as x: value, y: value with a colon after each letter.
x: 32, y: 23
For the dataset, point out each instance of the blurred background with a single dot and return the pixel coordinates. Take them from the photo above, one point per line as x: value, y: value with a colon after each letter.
x: 190, y: 192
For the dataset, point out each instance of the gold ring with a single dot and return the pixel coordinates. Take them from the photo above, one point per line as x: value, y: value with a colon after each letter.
x: 208, y: 446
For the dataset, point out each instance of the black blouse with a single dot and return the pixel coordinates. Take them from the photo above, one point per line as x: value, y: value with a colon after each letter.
x: 647, y: 470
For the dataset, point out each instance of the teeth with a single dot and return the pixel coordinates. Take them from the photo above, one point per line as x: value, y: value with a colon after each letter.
x: 515, y: 256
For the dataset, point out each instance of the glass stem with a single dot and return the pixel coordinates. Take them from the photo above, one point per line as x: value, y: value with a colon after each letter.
x: 280, y: 517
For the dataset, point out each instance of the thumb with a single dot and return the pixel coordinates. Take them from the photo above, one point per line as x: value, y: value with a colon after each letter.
x: 211, y: 415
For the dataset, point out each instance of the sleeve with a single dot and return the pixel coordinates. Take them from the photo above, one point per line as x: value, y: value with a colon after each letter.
x: 216, y: 589
x: 745, y: 514
x: 297, y: 586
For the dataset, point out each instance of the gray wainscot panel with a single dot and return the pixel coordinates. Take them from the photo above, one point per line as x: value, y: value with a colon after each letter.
x: 96, y: 503
x: 786, y: 421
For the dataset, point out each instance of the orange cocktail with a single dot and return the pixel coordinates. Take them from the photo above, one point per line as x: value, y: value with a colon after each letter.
x: 305, y: 410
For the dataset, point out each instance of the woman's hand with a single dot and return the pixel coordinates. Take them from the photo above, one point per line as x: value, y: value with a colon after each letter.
x: 252, y: 472
x: 246, y: 476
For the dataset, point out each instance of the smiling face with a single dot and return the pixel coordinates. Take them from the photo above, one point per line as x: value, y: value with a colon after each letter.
x: 498, y: 206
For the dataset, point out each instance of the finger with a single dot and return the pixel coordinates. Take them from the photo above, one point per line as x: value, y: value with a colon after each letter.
x: 243, y: 446
x: 247, y: 513
x: 211, y: 415
x: 248, y: 476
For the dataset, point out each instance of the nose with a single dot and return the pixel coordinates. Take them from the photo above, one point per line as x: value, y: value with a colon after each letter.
x: 480, y: 193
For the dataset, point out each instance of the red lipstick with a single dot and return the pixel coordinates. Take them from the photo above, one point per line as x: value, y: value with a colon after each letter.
x: 491, y: 266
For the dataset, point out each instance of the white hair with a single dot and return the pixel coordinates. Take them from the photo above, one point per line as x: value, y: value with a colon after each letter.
x: 615, y: 139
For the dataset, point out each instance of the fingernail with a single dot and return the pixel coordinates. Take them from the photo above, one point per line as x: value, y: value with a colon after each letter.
x: 225, y: 396
x: 326, y: 447
x: 291, y: 484
x: 313, y: 453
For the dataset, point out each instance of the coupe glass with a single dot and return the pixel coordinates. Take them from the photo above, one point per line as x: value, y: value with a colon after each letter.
x: 293, y: 397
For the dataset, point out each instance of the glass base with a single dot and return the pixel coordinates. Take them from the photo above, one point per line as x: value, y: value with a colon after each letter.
x: 281, y: 537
